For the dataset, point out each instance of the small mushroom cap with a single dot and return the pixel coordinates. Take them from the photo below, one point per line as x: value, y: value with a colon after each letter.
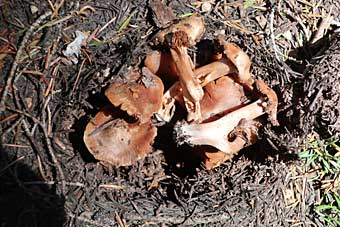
x: 212, y: 157
x: 162, y: 65
x: 115, y: 141
x: 190, y: 28
x: 239, y: 58
x: 221, y: 96
x: 139, y: 95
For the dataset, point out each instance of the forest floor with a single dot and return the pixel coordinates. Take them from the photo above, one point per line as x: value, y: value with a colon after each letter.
x: 291, y: 177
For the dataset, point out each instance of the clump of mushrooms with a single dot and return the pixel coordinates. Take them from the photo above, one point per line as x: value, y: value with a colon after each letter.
x: 224, y: 101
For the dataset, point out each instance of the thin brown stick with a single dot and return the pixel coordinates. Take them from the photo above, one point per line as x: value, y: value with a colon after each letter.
x: 78, y: 75
x: 11, y: 75
x: 12, y: 163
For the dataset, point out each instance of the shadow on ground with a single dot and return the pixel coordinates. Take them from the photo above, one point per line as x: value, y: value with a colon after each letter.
x: 24, y: 199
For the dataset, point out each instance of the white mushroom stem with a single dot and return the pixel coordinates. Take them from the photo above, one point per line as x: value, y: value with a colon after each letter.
x: 216, y: 133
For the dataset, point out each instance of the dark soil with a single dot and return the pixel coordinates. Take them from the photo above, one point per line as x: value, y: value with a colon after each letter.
x: 48, y: 178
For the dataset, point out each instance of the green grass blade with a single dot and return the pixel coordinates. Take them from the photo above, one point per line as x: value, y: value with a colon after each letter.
x: 127, y: 21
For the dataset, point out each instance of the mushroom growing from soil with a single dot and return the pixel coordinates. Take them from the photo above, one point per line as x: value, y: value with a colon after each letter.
x: 111, y: 139
x: 178, y: 37
x: 246, y: 132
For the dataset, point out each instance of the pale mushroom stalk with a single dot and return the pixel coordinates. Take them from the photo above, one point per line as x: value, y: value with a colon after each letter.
x: 178, y: 37
x: 204, y: 75
x: 214, y: 70
x: 187, y: 77
x: 167, y: 111
x: 192, y: 90
x: 216, y: 133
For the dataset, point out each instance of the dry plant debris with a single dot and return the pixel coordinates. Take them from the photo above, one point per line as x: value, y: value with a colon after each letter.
x: 225, y: 103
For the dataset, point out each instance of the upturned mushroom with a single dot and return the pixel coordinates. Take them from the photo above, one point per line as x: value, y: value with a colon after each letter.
x: 217, y: 133
x: 178, y: 37
x: 161, y: 64
x: 247, y: 134
x: 113, y: 140
x: 140, y: 95
x: 243, y: 63
x: 221, y: 97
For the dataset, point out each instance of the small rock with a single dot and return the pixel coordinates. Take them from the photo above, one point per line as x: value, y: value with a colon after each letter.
x: 261, y: 20
x: 206, y: 7
x: 34, y: 9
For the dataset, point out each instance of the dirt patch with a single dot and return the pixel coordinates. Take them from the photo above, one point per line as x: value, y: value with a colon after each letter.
x: 50, y: 102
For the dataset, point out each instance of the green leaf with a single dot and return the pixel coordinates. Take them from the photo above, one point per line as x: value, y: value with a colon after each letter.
x: 249, y: 3
x: 310, y: 160
x: 185, y: 15
x: 304, y: 154
x: 326, y: 166
x: 95, y: 43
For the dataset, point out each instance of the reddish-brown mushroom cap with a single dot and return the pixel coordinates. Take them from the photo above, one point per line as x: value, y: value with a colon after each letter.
x: 266, y: 91
x: 239, y: 58
x: 193, y: 26
x: 162, y: 65
x: 211, y: 157
x: 221, y: 96
x: 138, y: 95
x: 113, y: 140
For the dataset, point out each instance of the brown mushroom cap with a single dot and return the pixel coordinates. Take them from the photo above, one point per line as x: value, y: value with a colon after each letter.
x: 138, y: 95
x: 264, y: 90
x: 211, y: 157
x: 221, y: 96
x: 239, y: 58
x: 192, y: 26
x: 162, y: 65
x: 115, y: 141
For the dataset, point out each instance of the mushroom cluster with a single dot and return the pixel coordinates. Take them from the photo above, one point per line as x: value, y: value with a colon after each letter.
x: 223, y: 100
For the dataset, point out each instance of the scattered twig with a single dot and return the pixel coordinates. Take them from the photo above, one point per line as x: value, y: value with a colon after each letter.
x: 324, y: 26
x: 56, y: 8
x: 105, y: 25
x: 78, y: 75
x: 11, y: 75
x: 11, y: 164
x: 272, y: 35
